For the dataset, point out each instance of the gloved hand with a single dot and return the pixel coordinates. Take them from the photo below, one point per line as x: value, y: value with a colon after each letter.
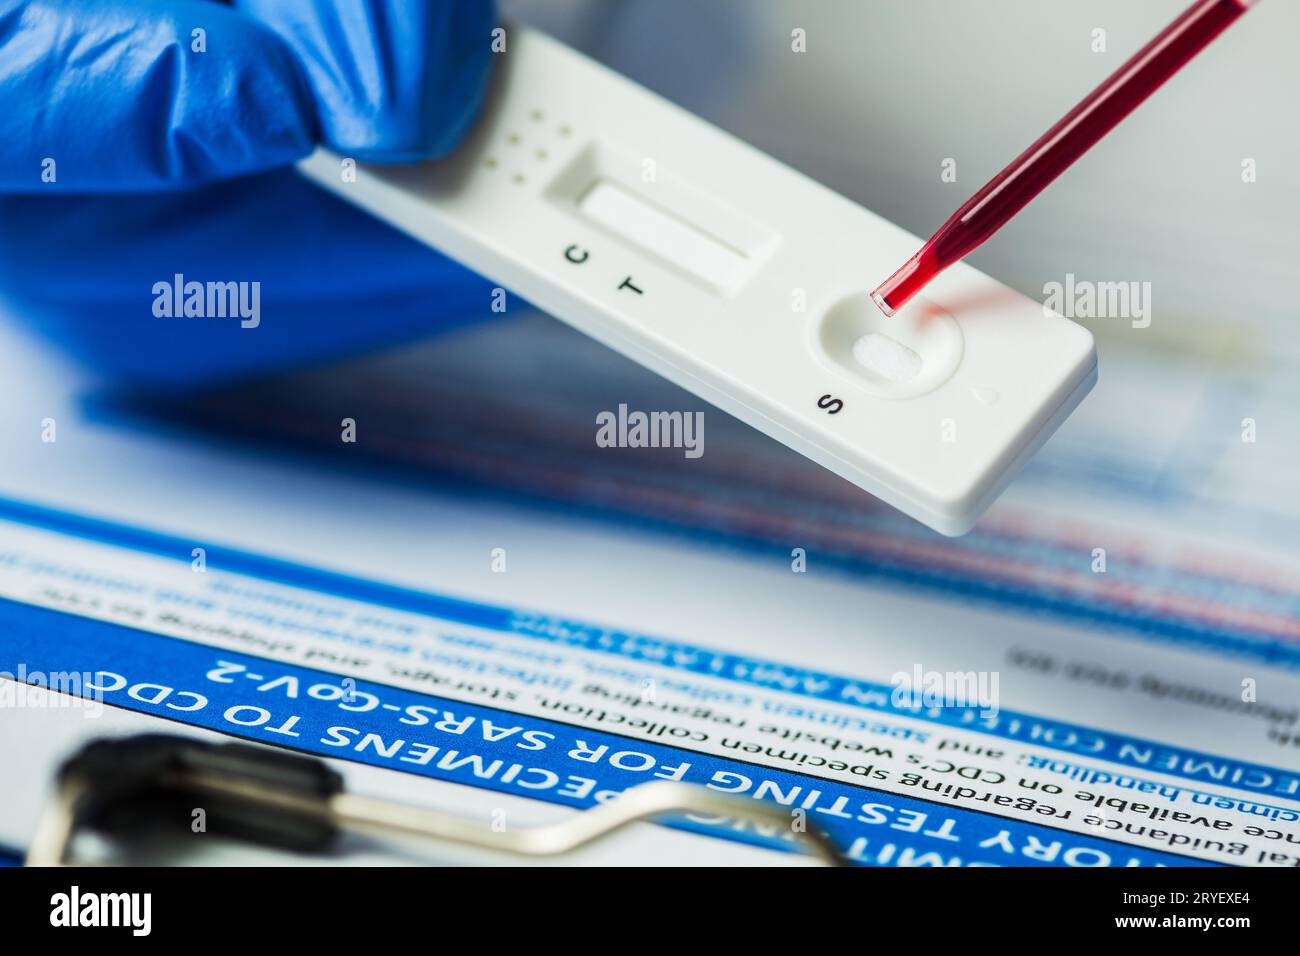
x: 141, y: 139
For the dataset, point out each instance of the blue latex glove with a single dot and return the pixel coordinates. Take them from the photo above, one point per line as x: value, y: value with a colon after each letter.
x: 167, y: 160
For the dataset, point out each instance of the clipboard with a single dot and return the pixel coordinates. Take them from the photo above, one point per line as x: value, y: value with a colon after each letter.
x: 131, y: 786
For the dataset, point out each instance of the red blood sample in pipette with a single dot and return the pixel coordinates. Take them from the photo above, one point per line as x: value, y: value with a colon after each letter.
x: 1030, y: 173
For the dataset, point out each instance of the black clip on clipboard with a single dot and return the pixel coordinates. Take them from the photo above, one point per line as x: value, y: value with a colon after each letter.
x: 134, y: 786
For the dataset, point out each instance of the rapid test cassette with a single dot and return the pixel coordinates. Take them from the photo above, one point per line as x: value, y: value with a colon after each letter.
x: 739, y: 279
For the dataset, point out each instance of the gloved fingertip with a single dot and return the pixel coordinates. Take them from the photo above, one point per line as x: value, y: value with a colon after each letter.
x: 395, y: 81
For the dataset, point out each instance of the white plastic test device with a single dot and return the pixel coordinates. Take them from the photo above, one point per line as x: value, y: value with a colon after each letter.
x: 739, y: 279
